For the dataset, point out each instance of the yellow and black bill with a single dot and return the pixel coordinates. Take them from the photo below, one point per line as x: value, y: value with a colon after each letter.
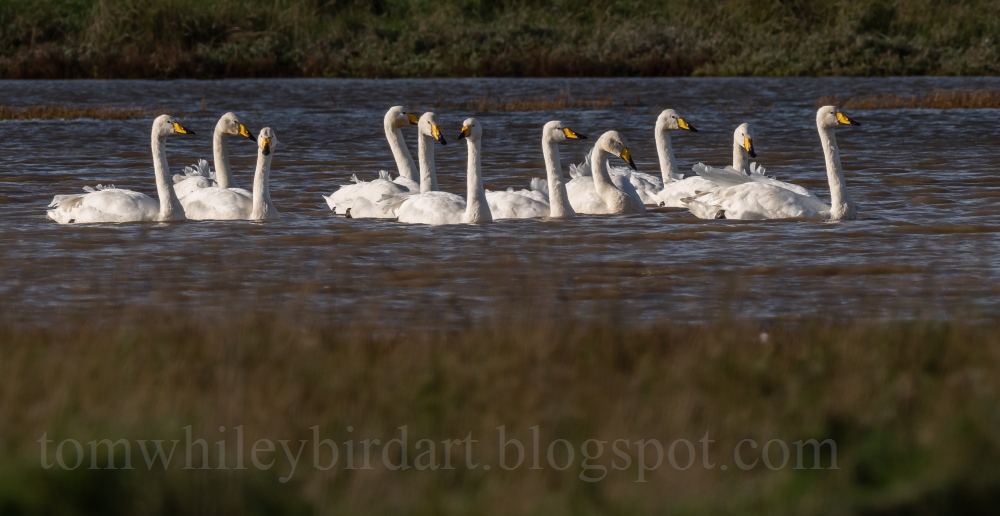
x: 265, y: 143
x: 180, y: 129
x: 573, y: 135
x: 846, y: 120
x: 466, y: 132
x: 683, y: 124
x: 436, y: 133
x: 245, y: 132
x: 627, y: 157
x: 412, y: 118
x: 748, y: 145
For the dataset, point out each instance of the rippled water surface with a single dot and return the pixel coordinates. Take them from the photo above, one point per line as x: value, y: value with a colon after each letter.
x: 927, y: 183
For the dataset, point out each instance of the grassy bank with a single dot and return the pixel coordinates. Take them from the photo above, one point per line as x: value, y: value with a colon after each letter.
x: 910, y: 405
x: 396, y: 38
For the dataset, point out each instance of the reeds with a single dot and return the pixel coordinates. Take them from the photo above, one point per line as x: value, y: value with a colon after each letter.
x: 909, y: 403
x: 71, y: 112
x: 937, y: 99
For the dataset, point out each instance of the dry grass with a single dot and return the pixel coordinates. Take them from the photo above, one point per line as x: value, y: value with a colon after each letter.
x: 910, y: 404
x: 937, y: 99
x: 563, y: 100
x: 70, y: 112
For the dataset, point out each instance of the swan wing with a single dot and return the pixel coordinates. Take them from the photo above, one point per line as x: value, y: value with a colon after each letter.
x: 515, y: 205
x: 218, y: 204
x: 105, y: 205
x: 583, y: 196
x: 761, y: 201
x: 647, y: 186
x: 432, y: 208
x: 674, y: 192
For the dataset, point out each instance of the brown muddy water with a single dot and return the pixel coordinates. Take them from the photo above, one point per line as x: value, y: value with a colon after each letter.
x: 926, y: 180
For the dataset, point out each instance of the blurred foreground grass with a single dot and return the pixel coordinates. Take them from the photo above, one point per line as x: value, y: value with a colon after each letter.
x: 401, y: 38
x: 910, y: 404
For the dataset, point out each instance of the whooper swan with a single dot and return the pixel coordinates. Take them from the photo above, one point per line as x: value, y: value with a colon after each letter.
x: 393, y: 122
x: 604, y: 193
x: 120, y: 205
x: 448, y: 208
x: 761, y: 199
x: 200, y: 175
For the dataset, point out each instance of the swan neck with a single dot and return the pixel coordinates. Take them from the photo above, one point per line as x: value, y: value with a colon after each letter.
x: 741, y: 158
x: 477, y: 209
x: 262, y: 206
x: 220, y: 150
x: 404, y: 161
x: 841, y: 204
x: 599, y: 169
x: 170, y: 206
x: 668, y: 163
x: 428, y: 170
x: 558, y: 199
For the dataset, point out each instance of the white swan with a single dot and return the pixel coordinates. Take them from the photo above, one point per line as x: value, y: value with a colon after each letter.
x: 232, y: 203
x: 395, y: 119
x: 605, y: 193
x: 119, y: 205
x: 448, y: 208
x: 201, y: 176
x: 544, y: 199
x: 263, y: 208
x: 761, y: 199
x: 375, y: 199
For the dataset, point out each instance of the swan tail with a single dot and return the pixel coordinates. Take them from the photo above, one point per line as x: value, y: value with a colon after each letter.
x: 581, y: 170
x: 540, y: 185
x: 701, y: 209
x: 384, y: 174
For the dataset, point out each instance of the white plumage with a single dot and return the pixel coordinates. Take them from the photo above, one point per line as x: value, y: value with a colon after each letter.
x: 110, y: 204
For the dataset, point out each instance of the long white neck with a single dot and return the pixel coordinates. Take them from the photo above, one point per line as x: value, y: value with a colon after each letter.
x: 404, y: 161
x: 262, y: 206
x: 476, y: 208
x: 841, y: 204
x: 668, y: 164
x: 741, y: 159
x: 599, y: 169
x: 170, y: 206
x: 220, y: 149
x: 428, y: 171
x: 558, y: 199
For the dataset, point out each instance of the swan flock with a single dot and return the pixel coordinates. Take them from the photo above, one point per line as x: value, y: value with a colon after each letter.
x: 606, y: 183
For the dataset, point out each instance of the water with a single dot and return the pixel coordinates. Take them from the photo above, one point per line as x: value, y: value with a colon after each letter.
x: 926, y: 182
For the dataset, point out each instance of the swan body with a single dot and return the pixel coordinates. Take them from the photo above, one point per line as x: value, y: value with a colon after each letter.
x: 764, y: 198
x: 545, y: 198
x: 447, y: 208
x: 582, y: 191
x: 109, y: 204
x: 606, y: 194
x: 393, y: 122
x: 377, y: 198
x: 201, y: 176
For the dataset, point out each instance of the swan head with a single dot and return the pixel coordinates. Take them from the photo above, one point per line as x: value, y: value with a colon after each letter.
x: 614, y: 143
x: 557, y: 132
x: 165, y: 125
x: 670, y: 120
x: 743, y: 137
x: 829, y: 117
x: 266, y: 141
x: 471, y: 130
x: 230, y: 124
x: 397, y: 117
x: 429, y: 126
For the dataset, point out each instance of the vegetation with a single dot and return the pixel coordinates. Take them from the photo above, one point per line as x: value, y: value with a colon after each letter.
x: 425, y: 38
x: 47, y: 112
x: 937, y: 99
x: 910, y: 404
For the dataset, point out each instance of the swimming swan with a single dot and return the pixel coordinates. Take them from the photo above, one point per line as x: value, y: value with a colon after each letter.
x: 604, y: 193
x: 395, y: 119
x: 549, y: 200
x: 120, y: 205
x: 448, y: 208
x: 761, y: 199
x: 376, y: 198
x: 200, y: 176
x: 232, y: 203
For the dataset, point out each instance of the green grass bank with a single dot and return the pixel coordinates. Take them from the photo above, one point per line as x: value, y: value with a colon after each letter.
x: 453, y: 38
